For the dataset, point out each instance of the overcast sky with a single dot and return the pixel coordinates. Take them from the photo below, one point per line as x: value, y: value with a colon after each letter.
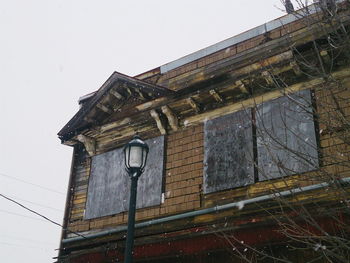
x: 52, y: 52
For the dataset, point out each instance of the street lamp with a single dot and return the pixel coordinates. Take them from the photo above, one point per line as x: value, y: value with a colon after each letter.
x: 135, y: 156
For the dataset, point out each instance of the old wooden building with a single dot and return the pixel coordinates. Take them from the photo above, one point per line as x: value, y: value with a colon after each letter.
x: 249, y: 151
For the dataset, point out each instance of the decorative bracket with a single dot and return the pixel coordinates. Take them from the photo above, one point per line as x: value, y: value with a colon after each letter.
x: 193, y: 104
x: 104, y: 108
x: 216, y: 95
x: 172, y: 118
x: 89, y: 143
x: 296, y: 68
x: 116, y: 94
x: 241, y: 86
x: 268, y: 77
x: 155, y: 116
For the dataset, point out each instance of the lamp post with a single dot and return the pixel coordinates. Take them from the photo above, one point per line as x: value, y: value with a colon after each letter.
x: 135, y: 153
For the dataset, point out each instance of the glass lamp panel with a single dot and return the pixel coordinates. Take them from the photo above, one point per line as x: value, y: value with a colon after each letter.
x: 135, y: 155
x: 144, y: 157
x: 126, y: 155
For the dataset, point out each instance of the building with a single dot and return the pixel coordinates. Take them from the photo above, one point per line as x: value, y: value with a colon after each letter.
x: 249, y: 151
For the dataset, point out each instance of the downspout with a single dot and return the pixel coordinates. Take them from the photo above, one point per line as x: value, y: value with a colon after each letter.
x: 207, y: 210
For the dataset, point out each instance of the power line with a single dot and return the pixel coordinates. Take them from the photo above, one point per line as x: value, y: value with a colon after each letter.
x: 38, y: 214
x: 33, y: 184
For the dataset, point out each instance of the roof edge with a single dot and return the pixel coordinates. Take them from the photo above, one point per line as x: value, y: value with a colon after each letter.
x: 256, y: 31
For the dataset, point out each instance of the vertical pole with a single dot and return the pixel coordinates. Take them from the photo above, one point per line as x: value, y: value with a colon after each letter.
x: 131, y: 219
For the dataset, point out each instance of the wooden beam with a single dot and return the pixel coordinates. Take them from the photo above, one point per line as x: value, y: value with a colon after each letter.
x: 268, y: 77
x: 325, y: 56
x: 128, y: 90
x: 115, y: 124
x: 121, y: 136
x: 241, y: 86
x: 193, y: 104
x: 104, y: 108
x: 152, y: 104
x: 139, y: 92
x: 172, y: 118
x: 216, y: 95
x: 116, y: 94
x: 194, y: 120
x: 160, y: 125
x: 89, y: 143
x: 295, y: 68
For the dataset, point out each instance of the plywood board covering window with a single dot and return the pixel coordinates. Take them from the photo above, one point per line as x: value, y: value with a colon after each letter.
x: 286, y: 139
x: 228, y: 152
x: 109, y: 183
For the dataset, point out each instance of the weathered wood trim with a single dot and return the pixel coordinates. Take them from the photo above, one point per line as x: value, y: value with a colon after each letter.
x: 104, y: 108
x: 216, y: 95
x: 160, y: 125
x: 116, y: 94
x: 194, y: 120
x: 114, y: 124
x: 268, y: 77
x: 325, y: 56
x: 152, y: 104
x: 296, y: 68
x: 193, y: 104
x: 234, y: 74
x: 241, y: 86
x: 141, y: 95
x: 172, y: 118
x: 89, y: 143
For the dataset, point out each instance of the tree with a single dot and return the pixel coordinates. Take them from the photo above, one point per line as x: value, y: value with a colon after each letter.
x: 313, y: 223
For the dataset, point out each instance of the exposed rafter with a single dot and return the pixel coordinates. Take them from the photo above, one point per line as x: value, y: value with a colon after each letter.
x: 242, y: 87
x: 128, y: 90
x: 193, y: 104
x: 216, y: 95
x: 115, y: 124
x: 104, y: 108
x: 295, y: 68
x: 158, y: 102
x: 116, y: 94
x: 156, y: 117
x: 268, y: 77
x: 325, y: 56
x: 172, y: 118
x: 141, y: 95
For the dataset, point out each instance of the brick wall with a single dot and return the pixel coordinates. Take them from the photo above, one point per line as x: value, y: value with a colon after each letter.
x: 183, y: 182
x: 183, y: 175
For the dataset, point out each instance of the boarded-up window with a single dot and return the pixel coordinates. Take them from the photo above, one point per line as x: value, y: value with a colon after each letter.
x: 286, y: 140
x: 228, y: 156
x: 109, y: 183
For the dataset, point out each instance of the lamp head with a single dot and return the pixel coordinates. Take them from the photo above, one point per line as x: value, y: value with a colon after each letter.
x: 135, y: 154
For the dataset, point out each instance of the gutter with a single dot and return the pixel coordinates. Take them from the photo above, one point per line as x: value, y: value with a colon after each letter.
x: 217, y: 208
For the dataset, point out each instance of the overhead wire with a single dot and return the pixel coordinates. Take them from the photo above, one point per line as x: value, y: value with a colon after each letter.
x: 42, y: 216
x: 33, y: 184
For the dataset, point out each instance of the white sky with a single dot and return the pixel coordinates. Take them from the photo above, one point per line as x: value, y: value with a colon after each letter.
x: 52, y: 52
